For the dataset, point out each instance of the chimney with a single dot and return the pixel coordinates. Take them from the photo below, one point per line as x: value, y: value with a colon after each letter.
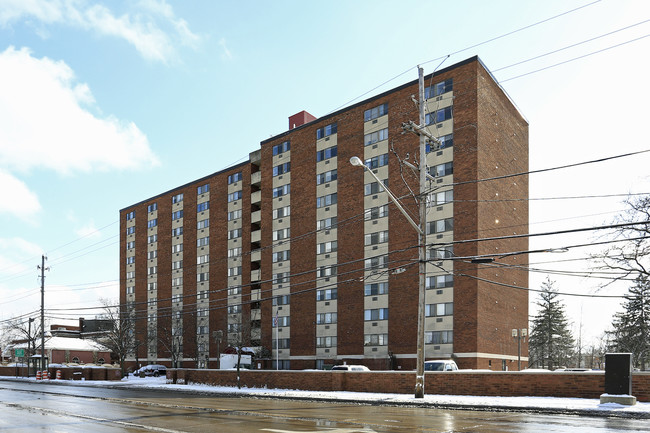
x: 300, y: 119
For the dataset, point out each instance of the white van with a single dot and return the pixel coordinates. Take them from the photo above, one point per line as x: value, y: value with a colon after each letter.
x: 346, y: 367
x: 440, y: 365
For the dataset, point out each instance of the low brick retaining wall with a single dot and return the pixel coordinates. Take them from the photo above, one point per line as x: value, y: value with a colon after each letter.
x: 69, y: 373
x: 498, y: 383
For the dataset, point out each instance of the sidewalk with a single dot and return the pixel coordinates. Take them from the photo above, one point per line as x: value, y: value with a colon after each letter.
x: 545, y: 405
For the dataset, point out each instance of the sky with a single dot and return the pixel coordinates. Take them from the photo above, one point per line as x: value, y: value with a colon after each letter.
x: 106, y: 103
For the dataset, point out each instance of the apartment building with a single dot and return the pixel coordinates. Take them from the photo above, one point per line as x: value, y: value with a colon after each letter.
x: 302, y: 257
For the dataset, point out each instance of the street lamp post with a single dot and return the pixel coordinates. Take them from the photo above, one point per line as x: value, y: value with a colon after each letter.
x: 519, y: 334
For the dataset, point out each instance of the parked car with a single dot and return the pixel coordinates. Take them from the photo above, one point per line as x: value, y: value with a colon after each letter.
x: 350, y: 368
x: 440, y: 365
x: 154, y: 370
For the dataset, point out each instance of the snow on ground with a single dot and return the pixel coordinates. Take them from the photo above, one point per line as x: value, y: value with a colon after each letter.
x: 581, y: 405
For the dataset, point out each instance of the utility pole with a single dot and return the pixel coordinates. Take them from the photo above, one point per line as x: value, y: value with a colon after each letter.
x: 43, y: 269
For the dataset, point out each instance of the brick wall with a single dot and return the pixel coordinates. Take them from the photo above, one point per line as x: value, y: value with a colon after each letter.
x: 506, y: 384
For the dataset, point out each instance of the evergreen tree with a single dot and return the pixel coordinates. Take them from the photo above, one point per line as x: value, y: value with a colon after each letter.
x: 551, y: 343
x: 632, y: 327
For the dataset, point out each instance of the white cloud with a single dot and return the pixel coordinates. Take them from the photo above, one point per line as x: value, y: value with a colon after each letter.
x: 43, y: 123
x: 15, y: 255
x: 152, y: 29
x: 88, y: 231
x: 226, y: 52
x: 17, y: 199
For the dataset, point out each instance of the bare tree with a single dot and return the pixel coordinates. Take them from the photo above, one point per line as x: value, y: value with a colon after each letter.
x: 170, y: 337
x: 630, y: 256
x: 26, y: 330
x: 118, y: 337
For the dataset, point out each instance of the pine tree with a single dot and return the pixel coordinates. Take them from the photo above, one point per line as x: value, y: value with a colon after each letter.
x: 632, y: 327
x: 551, y: 342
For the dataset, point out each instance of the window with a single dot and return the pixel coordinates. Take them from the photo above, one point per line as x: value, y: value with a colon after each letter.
x: 375, y: 112
x: 281, y: 169
x: 281, y: 148
x: 438, y: 116
x: 130, y: 274
x: 326, y: 247
x: 234, y: 327
x: 203, y: 206
x: 204, y: 241
x: 178, y: 264
x: 326, y: 294
x: 442, y: 169
x: 374, y: 289
x: 152, y: 286
x: 282, y: 343
x: 437, y: 310
x: 130, y: 290
x: 130, y: 260
x: 130, y: 215
x: 202, y: 294
x: 234, y: 291
x: 152, y: 238
x: 439, y: 337
x: 378, y: 262
x: 443, y: 142
x: 280, y: 321
x: 234, y: 271
x: 376, y: 238
x: 281, y: 277
x: 234, y: 309
x: 326, y: 271
x: 177, y: 231
x: 130, y: 245
x: 326, y: 131
x: 376, y: 212
x: 375, y: 137
x: 440, y: 198
x: 130, y: 230
x: 281, y: 234
x: 377, y: 161
x: 177, y: 215
x: 375, y: 187
x: 440, y: 253
x: 233, y: 215
x: 281, y: 212
x: 203, y: 224
x: 440, y: 226
x: 440, y: 281
x: 202, y: 276
x: 200, y: 260
x: 328, y: 176
x: 152, y: 223
x: 177, y: 198
x: 202, y: 330
x: 234, y: 252
x: 152, y: 254
x: 177, y: 281
x: 152, y: 270
x: 282, y: 300
x: 281, y: 256
x: 202, y: 189
x: 324, y: 154
x: 234, y: 178
x: 438, y: 89
x: 234, y: 196
x: 375, y: 340
x: 325, y: 342
x: 326, y: 200
x: 152, y: 207
x: 177, y: 248
x: 375, y: 314
x: 281, y: 190
x: 325, y: 318
x: 326, y: 224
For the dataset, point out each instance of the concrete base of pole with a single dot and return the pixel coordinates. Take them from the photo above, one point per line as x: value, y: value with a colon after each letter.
x: 626, y: 400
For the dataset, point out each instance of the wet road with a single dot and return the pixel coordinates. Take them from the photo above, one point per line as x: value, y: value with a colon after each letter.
x: 30, y: 407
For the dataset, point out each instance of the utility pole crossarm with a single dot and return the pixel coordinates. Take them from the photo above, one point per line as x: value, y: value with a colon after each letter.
x: 411, y: 126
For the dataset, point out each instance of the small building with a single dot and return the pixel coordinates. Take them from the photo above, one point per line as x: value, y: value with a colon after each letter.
x: 65, y: 350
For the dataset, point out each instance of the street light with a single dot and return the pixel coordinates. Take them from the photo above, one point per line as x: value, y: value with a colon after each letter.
x: 419, y: 378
